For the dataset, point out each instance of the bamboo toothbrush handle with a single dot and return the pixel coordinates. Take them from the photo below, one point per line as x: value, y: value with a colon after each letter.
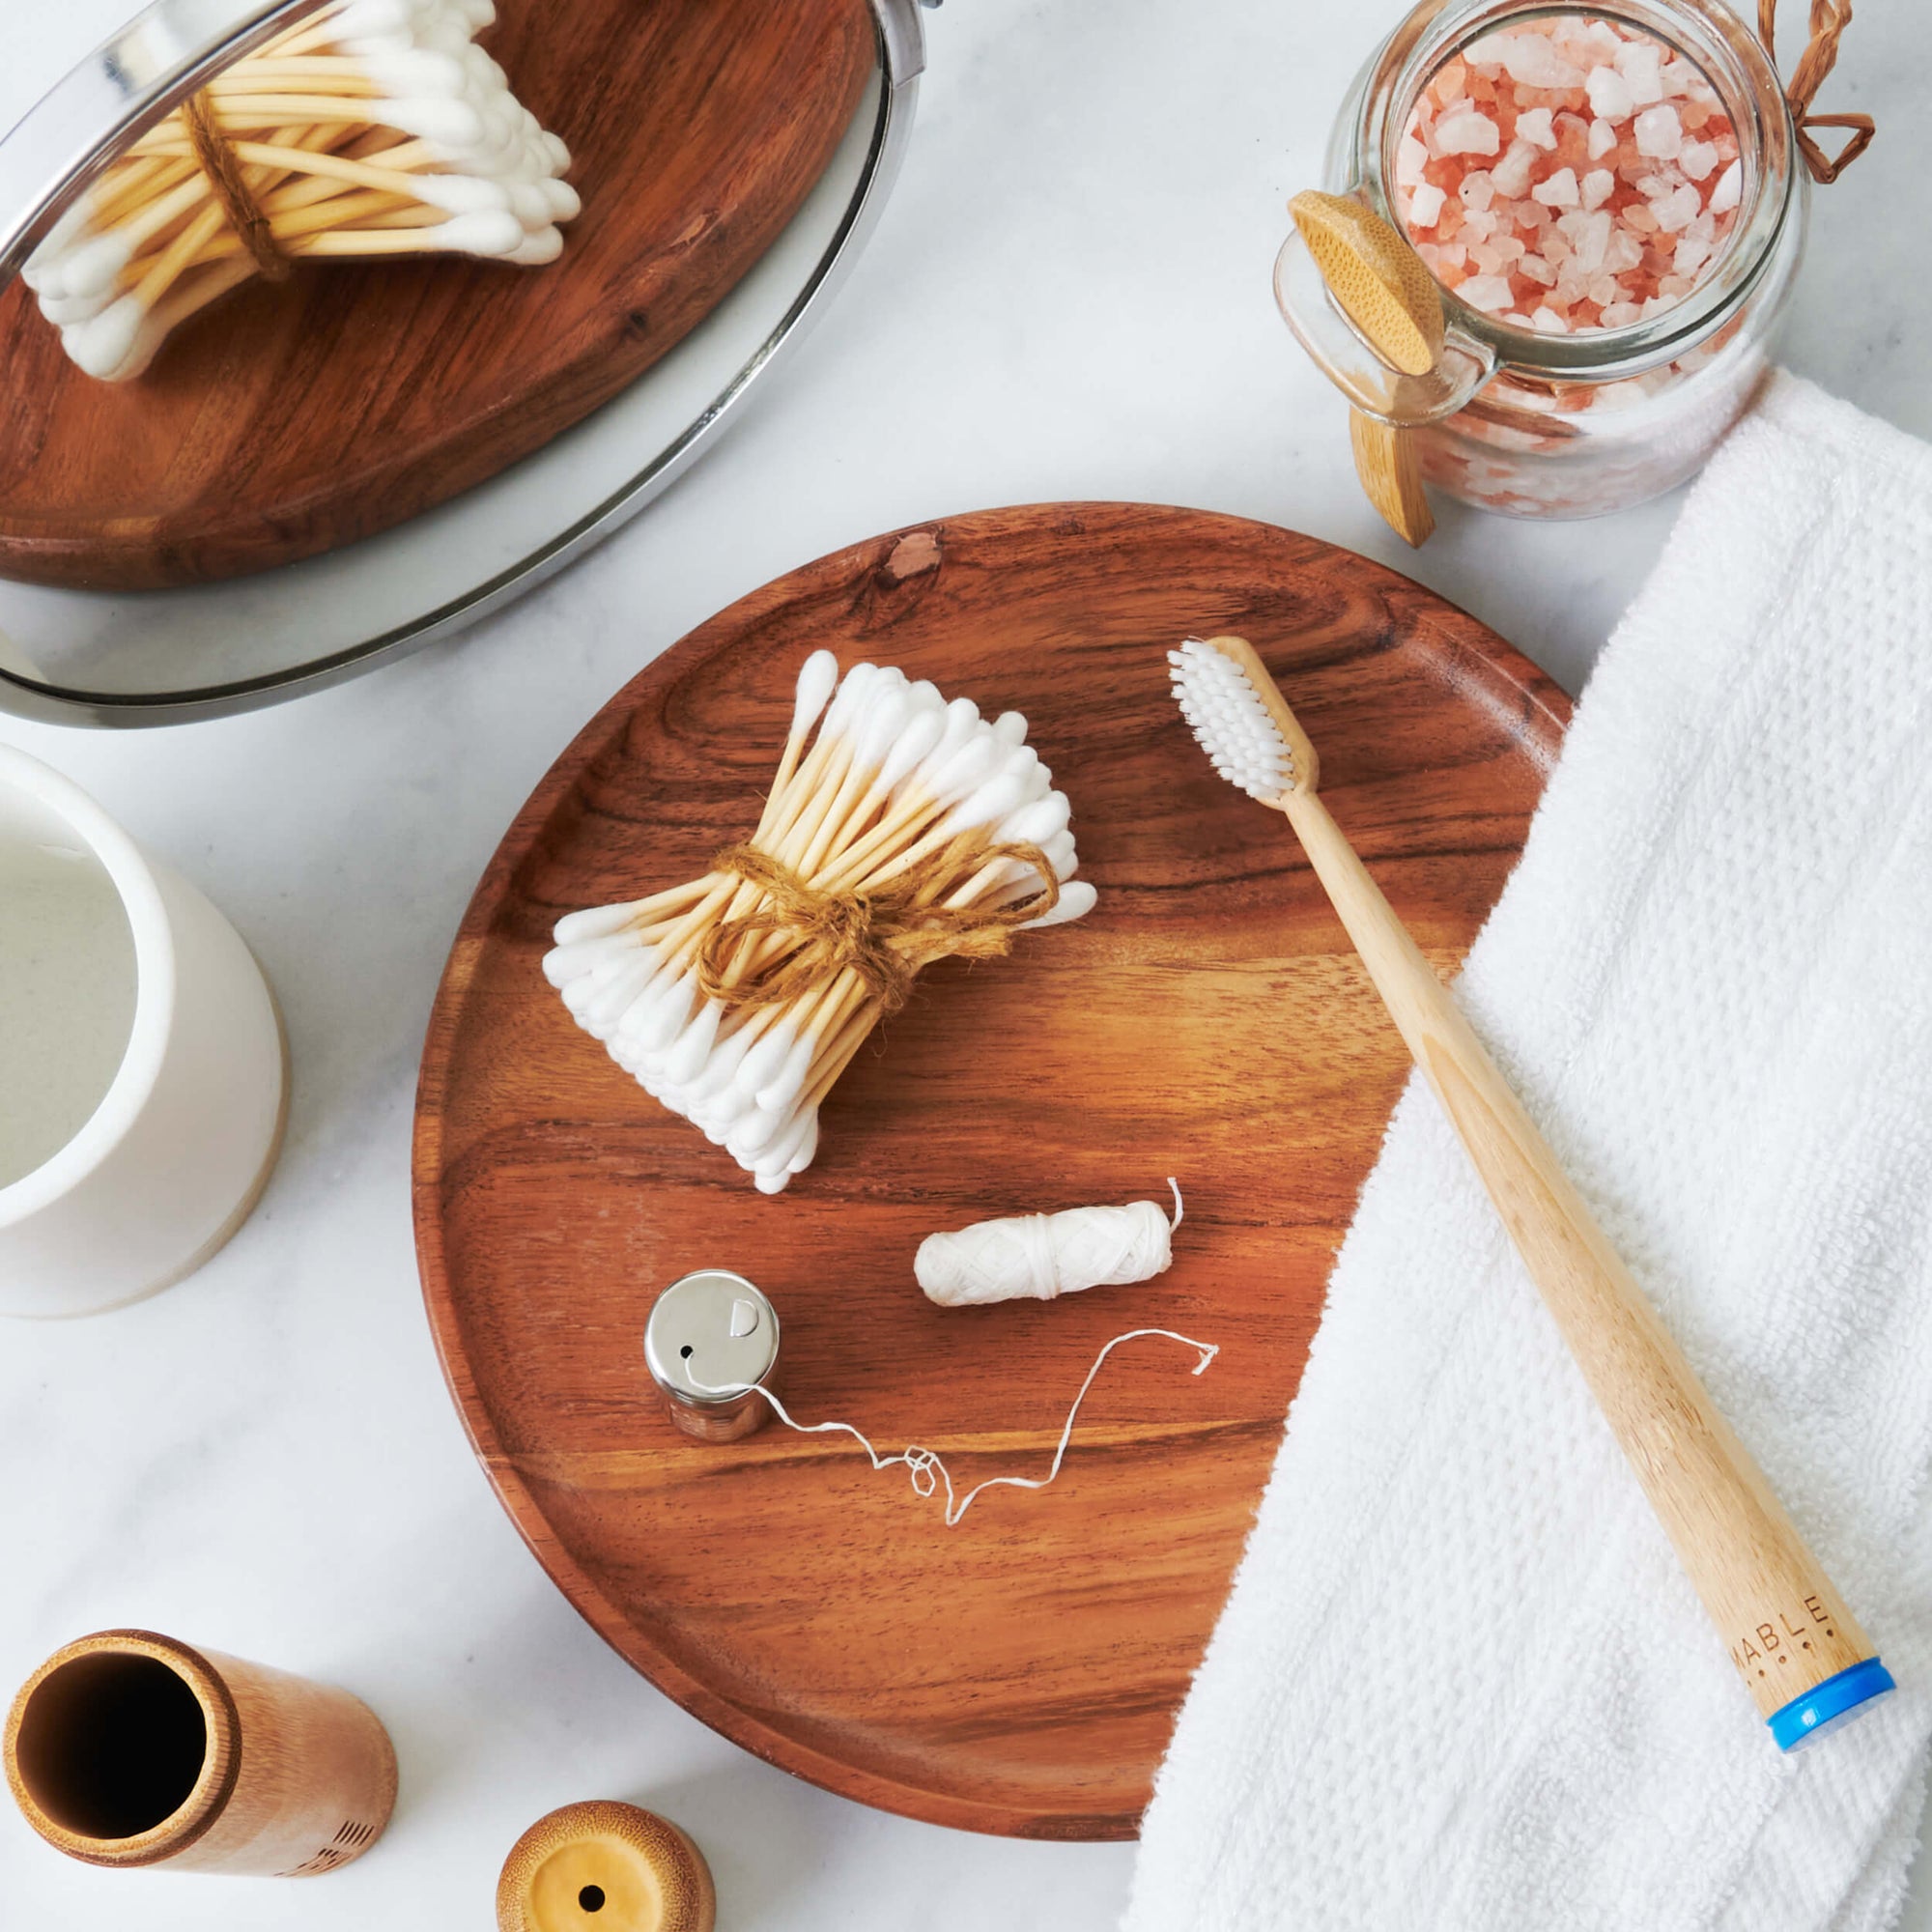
x: 1786, y: 1626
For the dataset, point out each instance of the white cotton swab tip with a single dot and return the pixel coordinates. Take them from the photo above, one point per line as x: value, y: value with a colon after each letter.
x: 912, y: 747
x: 90, y: 268
x: 488, y: 232
x: 417, y: 71
x: 461, y: 194
x: 103, y: 345
x: 951, y: 777
x: 60, y: 310
x: 987, y: 804
x: 594, y: 923
x: 1035, y: 823
x: 534, y: 251
x: 817, y: 680
x: 1077, y: 898
x: 448, y: 124
x: 527, y: 203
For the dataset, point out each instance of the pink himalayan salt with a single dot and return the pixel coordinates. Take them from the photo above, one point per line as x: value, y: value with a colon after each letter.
x: 1425, y: 203
x: 1659, y: 132
x: 1698, y: 158
x: 1467, y: 131
x: 1513, y: 172
x: 1535, y: 128
x: 1507, y: 134
x: 1558, y: 191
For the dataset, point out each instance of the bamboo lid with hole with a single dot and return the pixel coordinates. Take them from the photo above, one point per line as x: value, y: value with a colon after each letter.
x: 604, y: 1866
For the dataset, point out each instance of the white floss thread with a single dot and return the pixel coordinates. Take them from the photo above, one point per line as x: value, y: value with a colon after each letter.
x: 1045, y: 1255
x: 925, y: 1468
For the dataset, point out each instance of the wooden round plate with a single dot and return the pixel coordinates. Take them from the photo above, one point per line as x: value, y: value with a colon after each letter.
x: 290, y: 420
x: 1018, y: 1673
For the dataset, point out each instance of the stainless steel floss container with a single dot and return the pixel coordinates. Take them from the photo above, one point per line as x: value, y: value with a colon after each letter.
x: 712, y: 1330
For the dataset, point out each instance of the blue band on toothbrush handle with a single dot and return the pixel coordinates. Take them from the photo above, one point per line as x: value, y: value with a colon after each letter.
x: 1828, y: 1705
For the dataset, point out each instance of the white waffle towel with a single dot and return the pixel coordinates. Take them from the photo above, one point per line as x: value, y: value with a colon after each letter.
x: 1462, y: 1681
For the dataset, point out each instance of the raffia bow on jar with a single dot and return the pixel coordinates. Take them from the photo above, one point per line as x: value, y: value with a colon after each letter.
x: 1558, y: 247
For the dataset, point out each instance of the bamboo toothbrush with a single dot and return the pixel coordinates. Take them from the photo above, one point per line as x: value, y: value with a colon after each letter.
x: 1800, y: 1652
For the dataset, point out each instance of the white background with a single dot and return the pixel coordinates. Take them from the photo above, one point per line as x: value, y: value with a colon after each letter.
x: 1068, y: 297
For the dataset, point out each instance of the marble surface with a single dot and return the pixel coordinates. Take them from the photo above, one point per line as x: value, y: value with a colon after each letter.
x: 1068, y: 297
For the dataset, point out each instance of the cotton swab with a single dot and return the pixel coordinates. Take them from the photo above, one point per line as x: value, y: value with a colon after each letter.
x: 900, y: 828
x: 364, y: 134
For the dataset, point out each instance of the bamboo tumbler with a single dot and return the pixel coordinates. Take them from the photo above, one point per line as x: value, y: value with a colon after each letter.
x: 602, y: 1866
x: 130, y: 1749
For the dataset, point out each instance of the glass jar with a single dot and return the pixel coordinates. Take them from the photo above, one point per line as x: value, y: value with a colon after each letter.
x: 1531, y: 424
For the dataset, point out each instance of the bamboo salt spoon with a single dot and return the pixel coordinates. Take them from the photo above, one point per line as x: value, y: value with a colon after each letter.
x: 1800, y: 1652
x: 1385, y: 289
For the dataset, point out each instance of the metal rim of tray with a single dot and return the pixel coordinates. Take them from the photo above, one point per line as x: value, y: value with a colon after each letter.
x: 129, y: 83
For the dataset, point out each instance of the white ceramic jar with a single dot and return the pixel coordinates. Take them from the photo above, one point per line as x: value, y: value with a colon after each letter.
x: 143, y: 1076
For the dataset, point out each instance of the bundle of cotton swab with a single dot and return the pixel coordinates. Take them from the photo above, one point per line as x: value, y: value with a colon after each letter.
x: 373, y: 128
x: 911, y: 830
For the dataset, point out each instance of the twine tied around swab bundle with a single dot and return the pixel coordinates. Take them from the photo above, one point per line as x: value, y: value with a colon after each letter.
x: 901, y: 827
x: 884, y: 935
x: 1828, y: 20
x: 369, y: 129
x: 218, y: 162
x: 925, y: 1468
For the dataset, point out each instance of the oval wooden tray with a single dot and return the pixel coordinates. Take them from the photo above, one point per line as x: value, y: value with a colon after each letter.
x: 288, y: 420
x: 1018, y: 1673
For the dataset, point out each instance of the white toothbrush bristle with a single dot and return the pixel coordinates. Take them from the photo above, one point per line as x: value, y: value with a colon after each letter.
x: 1227, y: 716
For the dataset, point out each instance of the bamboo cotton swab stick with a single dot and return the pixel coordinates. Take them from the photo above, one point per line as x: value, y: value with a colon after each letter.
x: 899, y: 830
x: 375, y: 129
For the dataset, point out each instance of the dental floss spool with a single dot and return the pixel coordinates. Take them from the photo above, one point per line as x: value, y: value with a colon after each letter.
x: 1043, y: 1256
x: 927, y: 1469
x: 712, y: 1346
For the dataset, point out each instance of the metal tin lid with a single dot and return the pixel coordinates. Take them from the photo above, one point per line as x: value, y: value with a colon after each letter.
x: 711, y: 1330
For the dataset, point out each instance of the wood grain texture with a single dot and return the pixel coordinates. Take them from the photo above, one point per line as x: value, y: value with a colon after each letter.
x: 291, y: 419
x: 295, y: 1778
x: 600, y: 1863
x: 1389, y: 469
x: 1209, y: 1019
